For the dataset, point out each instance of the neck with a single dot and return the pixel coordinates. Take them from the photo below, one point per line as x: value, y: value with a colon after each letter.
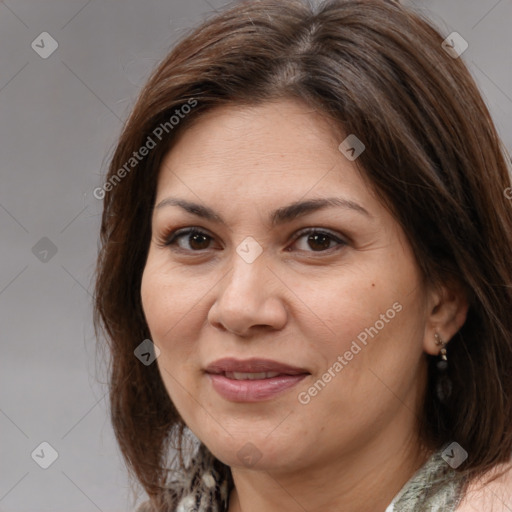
x: 355, y: 482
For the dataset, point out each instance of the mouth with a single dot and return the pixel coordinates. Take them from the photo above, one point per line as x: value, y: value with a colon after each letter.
x: 250, y: 376
x: 253, y: 367
x: 252, y: 380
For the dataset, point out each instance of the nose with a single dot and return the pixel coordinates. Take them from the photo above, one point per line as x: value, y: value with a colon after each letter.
x: 250, y: 298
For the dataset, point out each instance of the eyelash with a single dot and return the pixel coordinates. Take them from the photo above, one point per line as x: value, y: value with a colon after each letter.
x: 169, y: 239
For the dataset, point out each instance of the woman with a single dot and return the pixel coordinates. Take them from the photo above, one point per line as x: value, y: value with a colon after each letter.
x: 305, y: 270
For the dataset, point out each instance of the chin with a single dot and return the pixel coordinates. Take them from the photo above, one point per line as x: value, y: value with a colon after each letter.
x: 252, y: 451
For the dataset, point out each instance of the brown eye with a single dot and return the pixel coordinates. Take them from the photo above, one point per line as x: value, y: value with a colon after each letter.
x: 196, y: 240
x: 318, y: 241
x: 311, y: 240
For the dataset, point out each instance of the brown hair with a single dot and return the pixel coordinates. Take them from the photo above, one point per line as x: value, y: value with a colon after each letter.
x: 375, y: 69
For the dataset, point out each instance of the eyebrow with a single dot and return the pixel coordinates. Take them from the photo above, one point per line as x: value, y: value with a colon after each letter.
x: 277, y: 217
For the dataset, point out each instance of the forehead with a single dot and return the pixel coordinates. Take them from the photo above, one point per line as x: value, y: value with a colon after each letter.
x: 267, y: 146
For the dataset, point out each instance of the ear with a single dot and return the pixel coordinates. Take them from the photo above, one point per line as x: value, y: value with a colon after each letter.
x: 447, y: 311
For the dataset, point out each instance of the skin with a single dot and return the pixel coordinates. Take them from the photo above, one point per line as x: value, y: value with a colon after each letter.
x: 355, y: 444
x: 495, y: 495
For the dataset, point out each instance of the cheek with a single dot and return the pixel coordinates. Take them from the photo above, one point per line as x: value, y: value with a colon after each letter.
x: 175, y: 312
x: 155, y: 302
x: 169, y: 308
x: 168, y: 298
x: 356, y: 306
x: 373, y: 317
x: 372, y: 369
x: 163, y: 308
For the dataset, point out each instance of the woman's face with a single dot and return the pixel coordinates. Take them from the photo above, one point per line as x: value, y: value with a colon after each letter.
x: 338, y: 315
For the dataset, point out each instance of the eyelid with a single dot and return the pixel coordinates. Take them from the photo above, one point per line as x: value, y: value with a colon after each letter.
x: 170, y: 236
x: 326, y: 231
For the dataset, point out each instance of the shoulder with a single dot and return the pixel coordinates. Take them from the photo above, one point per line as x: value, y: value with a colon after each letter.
x: 495, y: 496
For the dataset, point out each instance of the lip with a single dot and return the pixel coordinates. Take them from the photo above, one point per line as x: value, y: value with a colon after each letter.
x: 230, y: 364
x: 253, y: 390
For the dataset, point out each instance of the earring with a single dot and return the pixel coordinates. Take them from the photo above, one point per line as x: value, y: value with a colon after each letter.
x: 442, y: 364
x: 444, y: 384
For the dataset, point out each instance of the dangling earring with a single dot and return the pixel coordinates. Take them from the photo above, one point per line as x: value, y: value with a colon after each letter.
x: 444, y: 384
x: 442, y: 364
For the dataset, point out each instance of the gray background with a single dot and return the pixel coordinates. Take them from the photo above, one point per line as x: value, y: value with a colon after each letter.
x: 59, y: 119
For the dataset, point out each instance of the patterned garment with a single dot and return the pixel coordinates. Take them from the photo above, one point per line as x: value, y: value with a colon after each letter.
x: 433, y: 488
